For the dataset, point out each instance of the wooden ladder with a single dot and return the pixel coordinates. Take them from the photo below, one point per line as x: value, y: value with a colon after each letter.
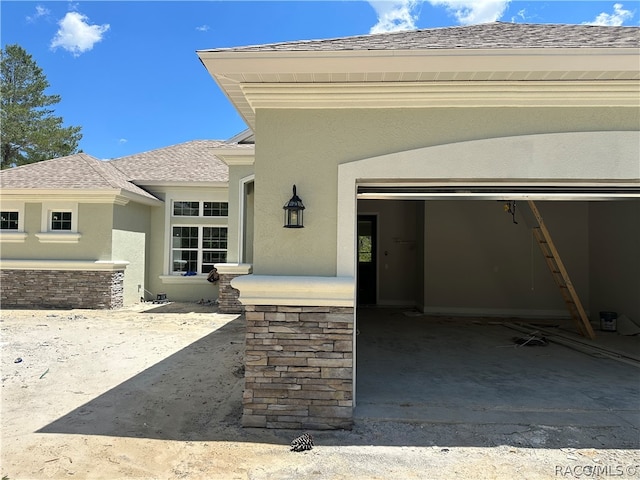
x: 560, y: 275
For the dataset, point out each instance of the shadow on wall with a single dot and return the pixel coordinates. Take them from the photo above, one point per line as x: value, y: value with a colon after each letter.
x: 196, y: 395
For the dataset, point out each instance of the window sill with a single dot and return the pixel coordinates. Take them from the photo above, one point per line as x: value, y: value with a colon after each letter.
x: 67, y: 237
x: 12, y: 237
x: 180, y: 280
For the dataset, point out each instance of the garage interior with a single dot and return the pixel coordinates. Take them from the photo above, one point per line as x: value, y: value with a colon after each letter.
x: 459, y: 282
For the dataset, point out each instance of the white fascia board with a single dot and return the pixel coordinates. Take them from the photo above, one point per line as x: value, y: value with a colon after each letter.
x: 234, y: 160
x: 154, y: 202
x: 232, y: 65
x: 186, y: 183
x: 116, y: 196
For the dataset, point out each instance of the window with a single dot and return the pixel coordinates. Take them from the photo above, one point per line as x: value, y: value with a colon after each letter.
x: 195, y: 249
x: 192, y: 209
x: 9, y: 220
x: 214, y: 247
x: 61, y: 221
x: 186, y: 209
x: 216, y: 209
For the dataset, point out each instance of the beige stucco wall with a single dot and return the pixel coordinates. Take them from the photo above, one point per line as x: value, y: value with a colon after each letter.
x: 178, y: 288
x: 131, y: 227
x: 305, y: 148
x: 94, y: 225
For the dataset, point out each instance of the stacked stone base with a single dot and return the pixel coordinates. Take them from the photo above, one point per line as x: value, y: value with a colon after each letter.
x: 61, y: 289
x: 228, y: 296
x: 298, y: 367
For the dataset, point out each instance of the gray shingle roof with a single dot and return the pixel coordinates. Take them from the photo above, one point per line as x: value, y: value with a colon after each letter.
x: 74, y: 172
x: 487, y: 35
x: 193, y: 161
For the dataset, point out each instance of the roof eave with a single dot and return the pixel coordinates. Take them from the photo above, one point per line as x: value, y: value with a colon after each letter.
x: 182, y: 183
x: 115, y: 196
x: 233, y: 69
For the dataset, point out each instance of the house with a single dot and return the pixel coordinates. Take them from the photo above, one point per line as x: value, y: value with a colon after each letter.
x: 414, y: 155
x: 405, y: 149
x: 78, y: 232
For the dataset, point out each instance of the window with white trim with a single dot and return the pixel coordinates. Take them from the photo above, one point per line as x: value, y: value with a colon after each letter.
x: 60, y: 221
x: 195, y: 249
x: 9, y: 220
x: 200, y: 209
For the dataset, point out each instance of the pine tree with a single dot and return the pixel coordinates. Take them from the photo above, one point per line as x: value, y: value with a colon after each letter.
x: 30, y: 131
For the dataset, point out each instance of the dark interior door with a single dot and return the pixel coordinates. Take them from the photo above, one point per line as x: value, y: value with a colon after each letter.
x: 367, y: 264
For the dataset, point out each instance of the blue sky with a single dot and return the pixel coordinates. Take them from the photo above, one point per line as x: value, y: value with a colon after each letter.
x: 128, y: 73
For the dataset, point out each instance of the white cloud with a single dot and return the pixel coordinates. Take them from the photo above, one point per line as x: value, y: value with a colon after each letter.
x: 203, y: 28
x: 40, y: 12
x: 76, y: 35
x: 122, y: 141
x: 469, y: 12
x: 394, y: 15
x: 615, y: 19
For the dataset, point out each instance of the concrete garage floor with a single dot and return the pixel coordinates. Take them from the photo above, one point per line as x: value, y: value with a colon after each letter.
x: 438, y: 370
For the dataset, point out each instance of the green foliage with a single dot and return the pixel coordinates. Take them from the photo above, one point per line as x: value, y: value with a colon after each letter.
x: 30, y: 131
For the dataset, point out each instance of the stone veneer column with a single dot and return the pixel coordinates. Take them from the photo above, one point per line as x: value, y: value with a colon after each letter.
x: 299, y: 366
x: 228, y: 301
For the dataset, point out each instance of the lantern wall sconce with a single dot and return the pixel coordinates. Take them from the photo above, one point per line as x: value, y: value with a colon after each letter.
x: 293, y: 210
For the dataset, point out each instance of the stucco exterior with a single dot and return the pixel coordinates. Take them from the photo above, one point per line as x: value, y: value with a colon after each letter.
x: 319, y: 141
x: 425, y: 131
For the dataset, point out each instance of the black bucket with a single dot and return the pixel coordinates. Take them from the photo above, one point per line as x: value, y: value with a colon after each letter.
x: 608, y: 321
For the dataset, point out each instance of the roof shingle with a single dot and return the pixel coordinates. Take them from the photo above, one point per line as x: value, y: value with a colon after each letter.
x: 74, y: 172
x: 192, y: 161
x: 487, y: 35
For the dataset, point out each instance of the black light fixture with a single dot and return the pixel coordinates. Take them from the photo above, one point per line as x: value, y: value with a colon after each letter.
x: 293, y: 210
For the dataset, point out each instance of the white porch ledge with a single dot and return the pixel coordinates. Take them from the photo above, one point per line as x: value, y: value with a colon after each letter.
x: 45, y: 264
x: 295, y: 291
x: 234, y: 268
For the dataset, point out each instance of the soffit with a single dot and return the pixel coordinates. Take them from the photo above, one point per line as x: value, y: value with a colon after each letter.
x: 249, y: 78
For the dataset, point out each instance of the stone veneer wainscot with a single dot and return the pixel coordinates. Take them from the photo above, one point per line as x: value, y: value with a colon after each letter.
x: 299, y: 352
x: 61, y: 284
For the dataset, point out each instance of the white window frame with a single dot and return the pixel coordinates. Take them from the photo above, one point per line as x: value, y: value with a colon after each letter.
x: 47, y: 235
x: 14, y: 236
x: 200, y: 208
x: 199, y: 249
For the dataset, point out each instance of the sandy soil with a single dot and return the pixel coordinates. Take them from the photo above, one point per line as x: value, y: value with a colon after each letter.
x: 154, y: 392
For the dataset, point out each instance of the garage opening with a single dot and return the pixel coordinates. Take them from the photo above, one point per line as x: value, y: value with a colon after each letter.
x: 460, y: 280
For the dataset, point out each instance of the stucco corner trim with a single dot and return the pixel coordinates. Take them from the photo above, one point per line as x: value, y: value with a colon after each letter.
x: 295, y: 290
x: 46, y: 237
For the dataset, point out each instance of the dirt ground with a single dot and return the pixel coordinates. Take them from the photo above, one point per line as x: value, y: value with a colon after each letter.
x: 154, y: 392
